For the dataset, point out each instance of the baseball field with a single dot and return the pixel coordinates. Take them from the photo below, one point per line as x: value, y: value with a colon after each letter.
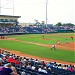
x: 39, y: 46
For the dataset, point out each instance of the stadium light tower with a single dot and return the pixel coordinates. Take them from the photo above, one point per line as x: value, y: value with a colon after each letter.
x: 13, y: 7
x: 3, y: 6
x: 46, y: 12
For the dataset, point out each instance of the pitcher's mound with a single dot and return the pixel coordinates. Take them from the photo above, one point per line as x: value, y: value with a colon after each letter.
x: 45, y: 38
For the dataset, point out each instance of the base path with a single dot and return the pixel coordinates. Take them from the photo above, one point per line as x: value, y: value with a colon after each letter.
x: 62, y: 46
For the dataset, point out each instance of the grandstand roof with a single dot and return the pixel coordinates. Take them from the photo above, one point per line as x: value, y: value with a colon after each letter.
x: 10, y: 16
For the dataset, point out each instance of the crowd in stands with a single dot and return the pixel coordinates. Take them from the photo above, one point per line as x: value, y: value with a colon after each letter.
x: 11, y: 29
x: 11, y: 64
x: 20, y: 29
x: 31, y: 29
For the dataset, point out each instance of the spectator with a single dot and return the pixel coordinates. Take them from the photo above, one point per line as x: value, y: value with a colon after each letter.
x: 71, y: 68
x: 42, y: 69
x: 28, y: 66
x: 13, y: 69
x: 43, y: 63
x: 6, y: 70
x: 1, y: 67
x: 65, y: 67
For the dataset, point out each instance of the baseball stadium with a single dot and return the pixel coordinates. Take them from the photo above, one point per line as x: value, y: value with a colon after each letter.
x: 34, y: 44
x: 36, y: 49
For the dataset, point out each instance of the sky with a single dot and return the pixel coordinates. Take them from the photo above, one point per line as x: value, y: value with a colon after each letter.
x: 31, y: 10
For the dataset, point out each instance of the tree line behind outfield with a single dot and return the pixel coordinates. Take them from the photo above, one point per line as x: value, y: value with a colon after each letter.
x: 65, y: 24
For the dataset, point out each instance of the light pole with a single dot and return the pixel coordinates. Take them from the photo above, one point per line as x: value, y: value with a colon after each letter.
x: 13, y: 7
x: 46, y: 12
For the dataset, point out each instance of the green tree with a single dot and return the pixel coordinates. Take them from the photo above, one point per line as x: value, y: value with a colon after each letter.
x: 68, y: 24
x: 59, y: 24
x: 42, y: 22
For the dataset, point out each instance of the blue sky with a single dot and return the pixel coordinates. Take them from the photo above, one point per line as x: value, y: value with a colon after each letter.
x: 29, y: 10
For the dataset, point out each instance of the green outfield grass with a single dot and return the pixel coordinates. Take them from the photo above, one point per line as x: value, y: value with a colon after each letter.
x: 52, y: 38
x: 45, y: 52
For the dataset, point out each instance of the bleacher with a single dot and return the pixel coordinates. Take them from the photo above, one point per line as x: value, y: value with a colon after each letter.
x: 31, y: 66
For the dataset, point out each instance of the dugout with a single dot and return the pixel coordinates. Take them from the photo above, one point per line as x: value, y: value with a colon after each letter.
x: 8, y: 20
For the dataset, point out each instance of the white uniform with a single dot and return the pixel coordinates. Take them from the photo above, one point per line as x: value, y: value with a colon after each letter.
x: 53, y: 46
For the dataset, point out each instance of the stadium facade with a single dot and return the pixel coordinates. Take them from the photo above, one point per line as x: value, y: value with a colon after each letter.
x: 8, y: 20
